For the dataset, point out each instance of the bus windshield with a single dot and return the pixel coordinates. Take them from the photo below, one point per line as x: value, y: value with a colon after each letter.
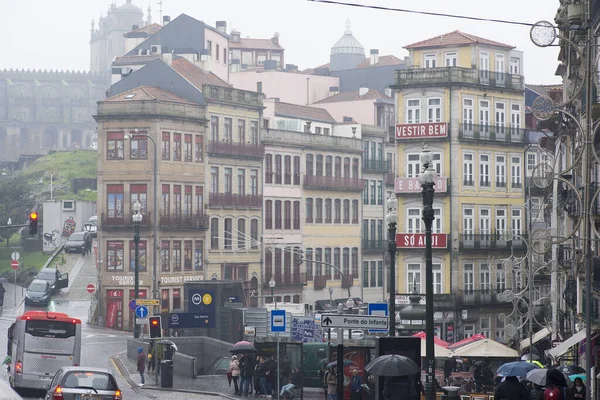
x: 50, y: 329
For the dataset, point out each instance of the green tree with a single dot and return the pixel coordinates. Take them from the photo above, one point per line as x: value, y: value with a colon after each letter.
x: 16, y: 200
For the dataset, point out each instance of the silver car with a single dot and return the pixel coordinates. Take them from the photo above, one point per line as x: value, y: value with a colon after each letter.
x: 83, y: 383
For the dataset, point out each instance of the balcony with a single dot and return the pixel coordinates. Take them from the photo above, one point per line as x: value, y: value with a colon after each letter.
x: 374, y: 246
x: 231, y: 95
x: 456, y: 75
x: 296, y: 278
x: 492, y: 241
x: 319, y: 282
x: 490, y: 133
x: 334, y: 183
x: 175, y: 221
x: 236, y: 150
x: 347, y: 281
x: 125, y: 222
x: 375, y: 166
x: 230, y: 200
x: 479, y: 298
x: 276, y: 137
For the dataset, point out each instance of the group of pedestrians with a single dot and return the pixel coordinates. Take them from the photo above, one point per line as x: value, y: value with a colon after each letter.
x: 258, y: 375
x: 556, y: 388
x: 154, y: 357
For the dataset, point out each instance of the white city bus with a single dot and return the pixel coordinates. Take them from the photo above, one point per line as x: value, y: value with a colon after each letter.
x: 42, y: 343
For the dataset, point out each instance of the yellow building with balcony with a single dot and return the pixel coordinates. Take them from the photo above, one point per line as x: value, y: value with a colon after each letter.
x: 463, y: 96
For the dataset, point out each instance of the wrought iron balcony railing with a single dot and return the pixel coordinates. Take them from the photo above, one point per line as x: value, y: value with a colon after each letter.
x: 491, y: 133
x: 492, y: 241
x: 334, y: 183
x: 459, y: 75
x: 238, y: 150
x: 178, y: 221
x: 376, y: 166
x: 123, y: 221
x: 479, y: 297
x: 374, y: 245
x: 347, y: 281
x: 319, y: 282
x: 230, y: 200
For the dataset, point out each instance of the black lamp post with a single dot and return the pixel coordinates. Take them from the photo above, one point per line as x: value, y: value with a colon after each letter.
x: 427, y: 178
x: 137, y: 219
x: 391, y: 219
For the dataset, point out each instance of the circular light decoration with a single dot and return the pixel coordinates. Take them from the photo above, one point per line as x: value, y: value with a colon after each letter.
x: 542, y: 34
x: 543, y: 108
x: 509, y: 295
x: 510, y: 331
x: 543, y: 175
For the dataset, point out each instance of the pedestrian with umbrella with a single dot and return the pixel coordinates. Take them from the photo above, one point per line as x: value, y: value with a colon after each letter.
x: 246, y: 366
x: 234, y: 370
x: 399, y: 370
x: 511, y: 389
x: 516, y: 368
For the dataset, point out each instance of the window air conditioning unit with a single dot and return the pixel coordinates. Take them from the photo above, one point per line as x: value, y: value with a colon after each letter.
x: 68, y: 205
x: 155, y: 49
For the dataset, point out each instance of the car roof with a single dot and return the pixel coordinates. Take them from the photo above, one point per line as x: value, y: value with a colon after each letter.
x: 52, y: 270
x: 39, y: 281
x: 86, y: 369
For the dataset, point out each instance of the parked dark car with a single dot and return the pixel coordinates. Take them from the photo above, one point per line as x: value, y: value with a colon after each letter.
x: 54, y: 277
x: 38, y: 293
x: 73, y: 383
x: 76, y: 242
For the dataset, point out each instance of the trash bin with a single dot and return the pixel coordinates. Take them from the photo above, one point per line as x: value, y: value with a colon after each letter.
x: 166, y: 373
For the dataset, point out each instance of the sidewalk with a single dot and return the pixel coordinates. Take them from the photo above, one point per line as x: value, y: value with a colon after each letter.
x: 11, y: 308
x: 215, y: 385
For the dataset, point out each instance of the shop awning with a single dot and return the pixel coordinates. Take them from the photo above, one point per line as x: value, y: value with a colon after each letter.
x: 485, y: 348
x: 539, y: 335
x: 566, y: 345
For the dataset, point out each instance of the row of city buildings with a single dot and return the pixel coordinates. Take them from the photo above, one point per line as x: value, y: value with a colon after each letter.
x: 269, y: 173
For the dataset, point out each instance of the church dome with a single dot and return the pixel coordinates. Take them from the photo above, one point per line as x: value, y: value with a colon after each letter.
x: 129, y: 8
x: 348, y: 44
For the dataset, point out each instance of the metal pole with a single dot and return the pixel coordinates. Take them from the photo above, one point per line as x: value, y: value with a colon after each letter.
x: 392, y: 247
x: 136, y: 284
x: 278, y: 365
x: 330, y: 310
x: 340, y: 372
x: 428, y: 217
x: 155, y: 294
x: 15, y: 290
x: 530, y: 265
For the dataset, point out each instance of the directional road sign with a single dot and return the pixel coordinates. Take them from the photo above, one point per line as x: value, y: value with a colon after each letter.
x: 277, y: 320
x: 147, y: 302
x: 352, y: 321
x: 380, y: 309
x: 141, y: 311
x: 14, y: 264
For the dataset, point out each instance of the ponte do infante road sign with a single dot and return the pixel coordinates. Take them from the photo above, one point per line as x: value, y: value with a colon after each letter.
x: 351, y: 321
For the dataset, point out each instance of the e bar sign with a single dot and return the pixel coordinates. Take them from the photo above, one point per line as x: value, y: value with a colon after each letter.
x: 350, y: 321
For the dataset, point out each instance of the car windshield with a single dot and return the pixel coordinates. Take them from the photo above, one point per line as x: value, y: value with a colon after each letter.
x: 47, y: 276
x: 89, y: 379
x: 76, y: 236
x: 37, y: 287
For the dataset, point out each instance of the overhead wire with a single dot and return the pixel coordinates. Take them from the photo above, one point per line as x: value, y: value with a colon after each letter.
x: 430, y: 13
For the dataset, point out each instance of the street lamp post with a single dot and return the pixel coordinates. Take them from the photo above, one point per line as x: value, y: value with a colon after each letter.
x: 8, y: 223
x: 331, y: 311
x: 427, y: 179
x: 391, y: 218
x: 350, y: 306
x: 137, y: 219
x: 272, y: 286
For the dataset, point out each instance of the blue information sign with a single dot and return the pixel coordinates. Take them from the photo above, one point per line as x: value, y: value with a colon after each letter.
x: 191, y: 320
x: 277, y: 320
x: 380, y: 309
x: 141, y: 311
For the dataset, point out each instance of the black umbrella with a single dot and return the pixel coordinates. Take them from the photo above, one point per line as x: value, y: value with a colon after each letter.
x: 571, y: 369
x: 392, y: 365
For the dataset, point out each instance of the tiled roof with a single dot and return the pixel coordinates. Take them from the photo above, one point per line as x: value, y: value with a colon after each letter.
x: 148, y: 93
x: 456, y: 38
x: 149, y: 29
x: 248, y: 43
x: 543, y: 90
x: 136, y: 60
x: 303, y: 112
x: 353, y: 96
x: 382, y: 62
x: 195, y: 75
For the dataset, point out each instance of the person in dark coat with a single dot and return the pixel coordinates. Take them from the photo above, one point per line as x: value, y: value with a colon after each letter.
x: 555, y: 378
x: 449, y: 367
x: 356, y: 386
x: 578, y: 389
x: 141, y: 364
x: 2, y: 291
x: 151, y: 361
x: 247, y: 373
x: 399, y: 388
x: 511, y: 389
x: 536, y: 392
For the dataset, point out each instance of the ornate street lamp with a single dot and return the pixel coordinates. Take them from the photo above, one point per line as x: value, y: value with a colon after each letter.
x: 391, y: 218
x: 137, y: 220
x: 272, y: 286
x: 427, y: 179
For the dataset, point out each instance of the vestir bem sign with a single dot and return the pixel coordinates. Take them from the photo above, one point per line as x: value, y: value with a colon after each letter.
x: 412, y: 185
x: 417, y: 240
x: 424, y: 130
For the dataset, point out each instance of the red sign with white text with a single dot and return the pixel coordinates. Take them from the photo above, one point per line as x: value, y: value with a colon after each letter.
x: 412, y: 185
x: 417, y: 240
x: 424, y: 130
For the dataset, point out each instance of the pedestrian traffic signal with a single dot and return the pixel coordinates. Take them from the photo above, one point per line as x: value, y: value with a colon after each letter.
x: 33, y: 222
x: 155, y: 328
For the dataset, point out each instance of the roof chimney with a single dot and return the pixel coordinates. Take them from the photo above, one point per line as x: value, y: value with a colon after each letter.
x: 134, y: 27
x: 374, y: 56
x: 166, y: 19
x: 307, y: 126
x: 235, y: 36
x: 362, y: 91
x: 275, y: 38
x: 388, y: 92
x: 221, y: 26
x: 347, y: 119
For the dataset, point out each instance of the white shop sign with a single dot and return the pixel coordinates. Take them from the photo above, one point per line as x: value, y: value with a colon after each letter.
x: 166, y: 280
x: 126, y: 280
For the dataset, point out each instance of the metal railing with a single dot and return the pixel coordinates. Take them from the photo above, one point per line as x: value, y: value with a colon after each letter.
x: 230, y: 200
x: 232, y: 149
x: 491, y: 133
x: 334, y: 183
x: 178, y: 221
x: 374, y: 245
x: 468, y: 76
x: 492, y: 241
x: 319, y: 282
x: 376, y: 166
x: 123, y: 221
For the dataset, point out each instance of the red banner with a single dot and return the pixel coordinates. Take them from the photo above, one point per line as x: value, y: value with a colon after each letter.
x: 417, y: 240
x: 425, y: 130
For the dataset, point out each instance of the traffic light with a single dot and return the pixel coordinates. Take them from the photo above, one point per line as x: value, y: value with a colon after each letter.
x: 33, y: 222
x: 155, y: 328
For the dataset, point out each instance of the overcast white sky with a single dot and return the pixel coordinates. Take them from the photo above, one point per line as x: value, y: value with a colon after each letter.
x: 54, y: 34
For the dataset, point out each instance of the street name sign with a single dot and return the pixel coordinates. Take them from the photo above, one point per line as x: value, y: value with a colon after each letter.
x: 352, y: 321
x: 141, y: 321
x: 147, y: 302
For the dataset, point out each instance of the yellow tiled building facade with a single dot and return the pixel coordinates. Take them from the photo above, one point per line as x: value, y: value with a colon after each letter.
x: 463, y: 96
